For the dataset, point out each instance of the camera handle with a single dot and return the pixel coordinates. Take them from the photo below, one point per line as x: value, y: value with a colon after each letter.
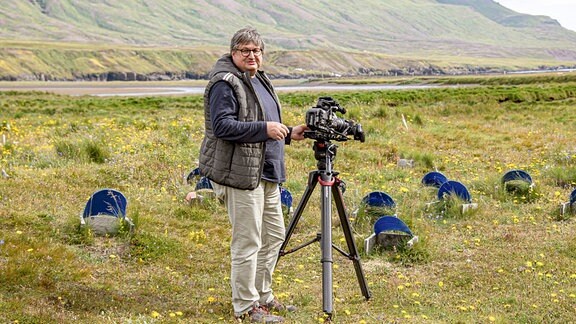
x: 330, y: 188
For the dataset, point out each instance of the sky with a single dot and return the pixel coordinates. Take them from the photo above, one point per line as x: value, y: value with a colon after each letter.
x: 564, y: 11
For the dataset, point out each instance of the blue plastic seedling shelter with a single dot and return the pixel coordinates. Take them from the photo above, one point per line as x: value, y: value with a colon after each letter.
x: 104, y: 211
x: 434, y: 179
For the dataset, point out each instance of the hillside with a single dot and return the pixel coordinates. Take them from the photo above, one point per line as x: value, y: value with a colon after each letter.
x: 352, y: 37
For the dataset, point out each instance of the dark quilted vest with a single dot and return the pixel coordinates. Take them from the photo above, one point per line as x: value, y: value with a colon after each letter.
x: 232, y: 164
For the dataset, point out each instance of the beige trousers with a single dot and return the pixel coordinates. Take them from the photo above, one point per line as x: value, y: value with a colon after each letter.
x: 257, y: 234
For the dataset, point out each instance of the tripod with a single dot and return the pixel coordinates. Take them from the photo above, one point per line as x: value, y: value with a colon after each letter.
x: 325, y: 152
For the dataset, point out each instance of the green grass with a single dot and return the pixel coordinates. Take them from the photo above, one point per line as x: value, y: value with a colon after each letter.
x: 510, y: 260
x: 487, y: 80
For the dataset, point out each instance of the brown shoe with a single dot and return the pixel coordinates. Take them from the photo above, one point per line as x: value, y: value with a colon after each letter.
x: 260, y: 315
x: 276, y: 305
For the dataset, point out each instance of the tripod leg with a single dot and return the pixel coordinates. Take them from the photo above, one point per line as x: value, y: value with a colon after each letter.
x: 326, y: 247
x: 312, y: 181
x: 353, y: 251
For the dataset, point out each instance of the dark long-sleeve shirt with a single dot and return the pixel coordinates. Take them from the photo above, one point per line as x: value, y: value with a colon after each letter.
x: 225, y: 125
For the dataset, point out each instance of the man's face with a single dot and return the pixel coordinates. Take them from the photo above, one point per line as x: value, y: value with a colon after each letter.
x: 248, y: 57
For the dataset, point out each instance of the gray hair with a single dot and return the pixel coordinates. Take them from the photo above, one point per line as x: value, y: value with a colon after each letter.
x: 244, y: 36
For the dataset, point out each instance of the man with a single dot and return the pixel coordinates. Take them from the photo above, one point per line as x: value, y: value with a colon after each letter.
x: 243, y: 155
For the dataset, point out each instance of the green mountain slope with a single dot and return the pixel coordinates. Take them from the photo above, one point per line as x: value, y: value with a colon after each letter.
x: 354, y: 32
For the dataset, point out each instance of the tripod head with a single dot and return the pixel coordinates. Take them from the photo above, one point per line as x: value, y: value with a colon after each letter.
x: 325, y: 153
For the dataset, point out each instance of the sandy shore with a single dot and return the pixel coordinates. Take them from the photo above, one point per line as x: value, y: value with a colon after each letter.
x: 105, y: 88
x: 120, y: 88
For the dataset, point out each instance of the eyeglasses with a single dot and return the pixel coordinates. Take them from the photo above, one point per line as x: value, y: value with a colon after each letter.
x: 246, y: 52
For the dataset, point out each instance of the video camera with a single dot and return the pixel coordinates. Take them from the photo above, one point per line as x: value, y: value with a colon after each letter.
x: 325, y: 125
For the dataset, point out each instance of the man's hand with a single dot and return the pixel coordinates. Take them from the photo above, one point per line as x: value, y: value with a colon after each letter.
x: 276, y: 131
x: 298, y: 132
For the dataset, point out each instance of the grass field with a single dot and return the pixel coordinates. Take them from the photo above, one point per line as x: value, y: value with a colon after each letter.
x: 511, y: 260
